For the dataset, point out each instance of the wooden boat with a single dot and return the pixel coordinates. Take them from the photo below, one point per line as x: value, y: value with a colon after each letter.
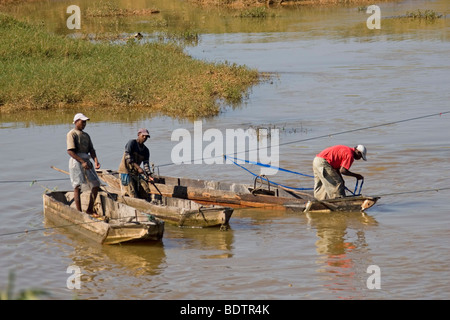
x: 176, y: 211
x: 182, y: 212
x: 346, y: 204
x: 243, y: 195
x: 118, y: 222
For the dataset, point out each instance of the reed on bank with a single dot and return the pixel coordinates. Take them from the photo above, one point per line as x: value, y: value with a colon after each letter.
x: 41, y: 70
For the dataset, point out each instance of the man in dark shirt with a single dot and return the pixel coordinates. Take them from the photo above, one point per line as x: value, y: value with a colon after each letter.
x: 133, y: 176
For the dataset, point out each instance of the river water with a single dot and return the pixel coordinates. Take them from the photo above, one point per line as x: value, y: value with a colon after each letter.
x: 333, y: 82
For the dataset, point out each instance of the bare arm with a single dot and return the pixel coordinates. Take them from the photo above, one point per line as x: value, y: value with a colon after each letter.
x: 85, y: 164
x: 73, y: 154
x: 147, y: 170
x: 349, y: 173
x: 94, y: 156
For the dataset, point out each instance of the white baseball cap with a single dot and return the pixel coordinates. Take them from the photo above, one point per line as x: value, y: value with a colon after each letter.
x: 363, y: 151
x: 80, y: 116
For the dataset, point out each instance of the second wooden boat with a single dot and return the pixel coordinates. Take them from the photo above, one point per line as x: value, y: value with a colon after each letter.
x: 243, y: 195
x: 176, y: 211
x: 118, y: 223
x: 182, y: 212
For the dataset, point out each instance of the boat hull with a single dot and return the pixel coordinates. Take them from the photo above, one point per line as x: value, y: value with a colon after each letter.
x: 182, y: 212
x: 117, y: 227
x: 346, y: 204
x: 242, y: 195
x: 175, y: 210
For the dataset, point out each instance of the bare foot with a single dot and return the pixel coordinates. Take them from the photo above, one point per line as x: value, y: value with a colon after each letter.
x: 93, y: 214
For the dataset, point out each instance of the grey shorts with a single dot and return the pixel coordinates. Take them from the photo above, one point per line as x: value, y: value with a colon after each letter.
x: 80, y: 176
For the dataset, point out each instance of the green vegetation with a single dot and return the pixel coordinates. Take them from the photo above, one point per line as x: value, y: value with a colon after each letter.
x: 186, y: 37
x: 428, y: 15
x: 258, y: 12
x: 28, y: 294
x: 111, y: 9
x: 239, y: 4
x: 41, y: 70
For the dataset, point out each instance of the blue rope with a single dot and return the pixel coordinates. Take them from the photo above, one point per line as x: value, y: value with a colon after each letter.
x: 268, y: 166
x: 278, y: 184
x: 356, y: 187
x: 289, y: 171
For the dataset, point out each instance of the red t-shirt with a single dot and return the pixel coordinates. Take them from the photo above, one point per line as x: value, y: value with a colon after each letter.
x: 338, y: 156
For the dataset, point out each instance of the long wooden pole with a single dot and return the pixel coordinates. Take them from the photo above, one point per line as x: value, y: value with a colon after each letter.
x: 60, y: 170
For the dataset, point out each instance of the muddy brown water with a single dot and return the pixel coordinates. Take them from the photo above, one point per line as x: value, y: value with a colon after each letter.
x: 331, y: 76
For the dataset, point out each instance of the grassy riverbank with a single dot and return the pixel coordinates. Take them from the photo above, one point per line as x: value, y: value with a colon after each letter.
x: 252, y: 3
x: 41, y: 70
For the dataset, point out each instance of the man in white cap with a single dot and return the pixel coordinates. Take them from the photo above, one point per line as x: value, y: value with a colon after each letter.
x: 81, y: 149
x: 329, y: 166
x: 134, y: 178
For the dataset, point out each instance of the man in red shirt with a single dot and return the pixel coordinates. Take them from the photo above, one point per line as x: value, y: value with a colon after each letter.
x: 329, y: 166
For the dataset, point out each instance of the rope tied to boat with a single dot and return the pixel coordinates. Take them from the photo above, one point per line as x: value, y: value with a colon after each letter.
x: 356, y: 188
x: 266, y: 166
x: 263, y: 177
x: 202, y: 213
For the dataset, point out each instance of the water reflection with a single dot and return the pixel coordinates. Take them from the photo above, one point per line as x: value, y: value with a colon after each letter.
x: 139, y: 258
x: 180, y: 16
x: 342, y: 251
x: 134, y: 269
x: 213, y: 243
x: 26, y: 119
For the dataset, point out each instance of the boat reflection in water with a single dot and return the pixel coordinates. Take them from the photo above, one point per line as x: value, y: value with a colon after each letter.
x: 139, y: 263
x: 343, y: 253
x: 206, y: 243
